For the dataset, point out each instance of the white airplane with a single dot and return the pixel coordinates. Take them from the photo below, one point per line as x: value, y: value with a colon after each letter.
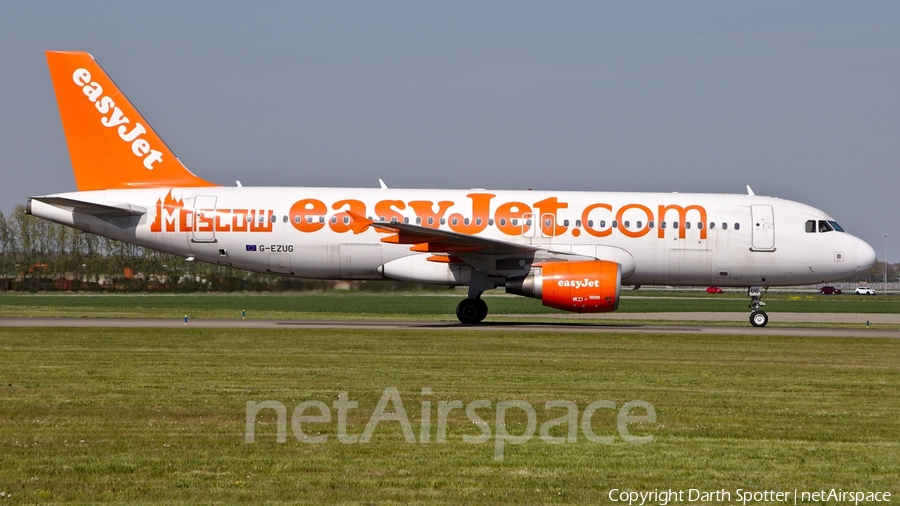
x: 572, y: 250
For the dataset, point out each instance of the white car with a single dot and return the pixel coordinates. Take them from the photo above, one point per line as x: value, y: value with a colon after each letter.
x: 864, y: 290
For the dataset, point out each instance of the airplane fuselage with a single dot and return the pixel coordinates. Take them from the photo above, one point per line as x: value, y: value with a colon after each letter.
x: 659, y: 238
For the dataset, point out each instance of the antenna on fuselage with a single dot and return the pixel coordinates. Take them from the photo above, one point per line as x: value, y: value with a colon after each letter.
x: 383, y: 186
x: 750, y: 190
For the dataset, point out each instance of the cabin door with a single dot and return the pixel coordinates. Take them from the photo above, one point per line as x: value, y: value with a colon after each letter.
x: 763, y: 228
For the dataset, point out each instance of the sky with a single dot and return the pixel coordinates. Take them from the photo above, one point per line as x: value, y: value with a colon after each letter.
x: 799, y: 100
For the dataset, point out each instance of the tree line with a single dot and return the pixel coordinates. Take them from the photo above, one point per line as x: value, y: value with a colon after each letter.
x: 38, y: 255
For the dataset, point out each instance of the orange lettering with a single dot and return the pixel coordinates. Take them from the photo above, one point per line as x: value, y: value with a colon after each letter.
x: 425, y: 210
x: 239, y: 220
x: 481, y: 209
x: 551, y: 206
x: 337, y: 222
x: 304, y: 215
x: 266, y: 224
x: 204, y: 221
x: 682, y: 217
x: 385, y: 209
x: 220, y: 226
x: 638, y: 233
x: 509, y: 211
x: 585, y: 220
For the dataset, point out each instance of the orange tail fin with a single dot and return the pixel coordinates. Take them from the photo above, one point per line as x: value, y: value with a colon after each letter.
x: 110, y: 143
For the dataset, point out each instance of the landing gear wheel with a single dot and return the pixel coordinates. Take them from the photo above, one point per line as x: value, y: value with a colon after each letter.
x: 482, y: 309
x: 759, y: 318
x: 471, y: 311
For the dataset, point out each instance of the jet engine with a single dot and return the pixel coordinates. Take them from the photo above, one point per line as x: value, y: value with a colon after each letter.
x: 588, y: 286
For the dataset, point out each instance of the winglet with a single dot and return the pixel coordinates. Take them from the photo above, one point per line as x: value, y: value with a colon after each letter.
x: 110, y: 144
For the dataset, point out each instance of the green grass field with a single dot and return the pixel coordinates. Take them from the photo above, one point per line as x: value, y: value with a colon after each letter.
x: 156, y: 415
x: 384, y: 305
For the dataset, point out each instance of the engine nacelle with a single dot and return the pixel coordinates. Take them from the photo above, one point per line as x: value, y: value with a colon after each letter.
x: 590, y: 286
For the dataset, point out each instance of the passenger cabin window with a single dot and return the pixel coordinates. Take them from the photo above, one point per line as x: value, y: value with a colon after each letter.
x: 824, y: 226
x: 737, y: 226
x: 650, y: 224
x: 687, y: 224
x: 700, y: 225
x: 712, y: 225
x: 578, y: 223
x: 565, y: 223
x: 675, y: 225
x: 638, y: 224
x: 662, y: 224
x: 724, y: 226
x: 811, y: 227
x: 626, y: 224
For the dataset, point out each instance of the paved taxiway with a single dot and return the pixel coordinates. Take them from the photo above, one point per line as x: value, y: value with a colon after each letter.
x: 532, y: 325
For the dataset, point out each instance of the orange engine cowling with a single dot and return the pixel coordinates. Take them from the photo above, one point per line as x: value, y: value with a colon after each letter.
x: 588, y: 286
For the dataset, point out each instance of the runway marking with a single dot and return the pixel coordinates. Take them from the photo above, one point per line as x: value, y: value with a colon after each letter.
x: 529, y: 326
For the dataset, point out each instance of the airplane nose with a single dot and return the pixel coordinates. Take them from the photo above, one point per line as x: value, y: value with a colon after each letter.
x: 865, y: 256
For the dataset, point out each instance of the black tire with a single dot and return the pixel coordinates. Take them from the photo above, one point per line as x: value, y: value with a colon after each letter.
x: 469, y: 311
x: 759, y: 318
x: 482, y: 309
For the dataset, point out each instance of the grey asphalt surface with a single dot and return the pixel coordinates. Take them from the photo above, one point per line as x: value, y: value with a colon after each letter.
x: 530, y: 325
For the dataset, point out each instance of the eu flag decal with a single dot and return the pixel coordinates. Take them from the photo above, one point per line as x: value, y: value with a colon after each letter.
x: 251, y: 247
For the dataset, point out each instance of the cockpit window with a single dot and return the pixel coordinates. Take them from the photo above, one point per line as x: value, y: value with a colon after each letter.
x: 836, y: 226
x: 824, y: 226
x: 811, y: 227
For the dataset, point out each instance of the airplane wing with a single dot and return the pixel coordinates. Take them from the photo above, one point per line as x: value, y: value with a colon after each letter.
x: 430, y: 240
x: 91, y: 208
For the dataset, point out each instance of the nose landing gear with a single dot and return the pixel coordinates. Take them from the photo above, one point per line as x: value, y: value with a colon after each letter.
x: 758, y: 318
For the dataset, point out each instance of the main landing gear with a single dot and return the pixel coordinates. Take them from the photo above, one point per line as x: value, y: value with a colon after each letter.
x: 473, y: 309
x: 758, y: 318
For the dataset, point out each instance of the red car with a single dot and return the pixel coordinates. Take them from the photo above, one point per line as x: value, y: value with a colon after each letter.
x: 713, y: 289
x: 829, y: 290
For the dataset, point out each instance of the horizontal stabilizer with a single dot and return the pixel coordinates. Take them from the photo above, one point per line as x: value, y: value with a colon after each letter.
x: 90, y: 208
